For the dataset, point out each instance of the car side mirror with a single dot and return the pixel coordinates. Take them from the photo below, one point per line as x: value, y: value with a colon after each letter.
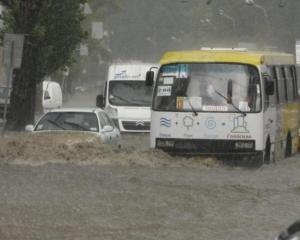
x: 108, y: 128
x: 29, y: 128
x: 269, y: 85
x: 149, y: 78
x: 100, y: 101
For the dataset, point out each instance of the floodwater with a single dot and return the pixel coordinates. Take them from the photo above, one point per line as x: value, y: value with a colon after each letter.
x: 72, y: 187
x: 52, y: 189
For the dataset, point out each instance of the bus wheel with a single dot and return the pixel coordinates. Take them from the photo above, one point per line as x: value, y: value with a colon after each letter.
x: 255, y: 161
x: 288, y: 147
x: 267, y: 154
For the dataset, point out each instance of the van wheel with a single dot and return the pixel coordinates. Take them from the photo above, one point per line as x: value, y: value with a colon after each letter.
x: 267, y: 154
x: 288, y: 147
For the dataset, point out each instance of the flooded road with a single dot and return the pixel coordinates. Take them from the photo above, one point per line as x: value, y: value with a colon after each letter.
x: 75, y: 200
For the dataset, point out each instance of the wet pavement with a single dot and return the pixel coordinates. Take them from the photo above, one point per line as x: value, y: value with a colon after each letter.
x: 74, y: 201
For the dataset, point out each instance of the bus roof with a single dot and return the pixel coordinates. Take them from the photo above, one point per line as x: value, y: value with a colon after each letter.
x: 228, y: 56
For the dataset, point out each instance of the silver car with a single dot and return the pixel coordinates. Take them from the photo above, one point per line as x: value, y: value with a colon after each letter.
x: 92, y: 120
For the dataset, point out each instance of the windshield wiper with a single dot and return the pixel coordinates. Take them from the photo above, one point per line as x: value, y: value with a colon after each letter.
x: 141, y: 102
x: 231, y: 103
x: 192, y: 107
x: 76, y: 125
x: 123, y: 99
x: 55, y: 124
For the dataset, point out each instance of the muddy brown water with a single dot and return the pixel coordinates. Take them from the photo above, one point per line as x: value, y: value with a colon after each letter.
x: 136, y: 193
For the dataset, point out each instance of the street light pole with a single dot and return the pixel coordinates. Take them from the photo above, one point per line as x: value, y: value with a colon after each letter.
x: 223, y: 14
x: 281, y: 3
x: 267, y: 21
x: 208, y: 22
x: 252, y: 3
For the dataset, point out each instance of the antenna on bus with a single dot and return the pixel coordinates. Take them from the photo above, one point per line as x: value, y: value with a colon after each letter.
x: 224, y: 49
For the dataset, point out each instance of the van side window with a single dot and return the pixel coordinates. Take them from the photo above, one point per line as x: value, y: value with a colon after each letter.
x: 289, y: 84
x: 47, y: 95
x: 281, y: 84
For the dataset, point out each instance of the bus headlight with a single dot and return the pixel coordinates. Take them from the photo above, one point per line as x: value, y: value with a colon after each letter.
x: 165, y: 143
x: 246, y: 145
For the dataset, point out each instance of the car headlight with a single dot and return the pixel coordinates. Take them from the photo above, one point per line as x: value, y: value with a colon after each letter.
x: 112, y: 112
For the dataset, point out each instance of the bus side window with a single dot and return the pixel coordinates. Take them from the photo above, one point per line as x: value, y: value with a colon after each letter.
x: 272, y: 98
x: 297, y: 74
x: 285, y: 82
x: 289, y: 84
x: 295, y: 83
x: 281, y: 84
x: 266, y: 97
x: 274, y: 75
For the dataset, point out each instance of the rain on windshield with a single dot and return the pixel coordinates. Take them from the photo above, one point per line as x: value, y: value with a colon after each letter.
x: 71, y: 121
x: 129, y: 93
x: 207, y: 87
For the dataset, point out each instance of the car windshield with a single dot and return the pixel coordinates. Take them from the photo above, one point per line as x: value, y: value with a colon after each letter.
x: 74, y: 121
x: 129, y: 93
x: 208, y: 87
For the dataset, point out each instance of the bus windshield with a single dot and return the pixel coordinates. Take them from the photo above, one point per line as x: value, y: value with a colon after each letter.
x: 214, y: 87
x: 129, y: 93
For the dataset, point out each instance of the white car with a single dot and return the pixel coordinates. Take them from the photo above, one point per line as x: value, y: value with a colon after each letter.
x: 92, y: 120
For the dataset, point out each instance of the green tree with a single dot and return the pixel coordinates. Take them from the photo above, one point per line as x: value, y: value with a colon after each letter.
x: 52, y: 32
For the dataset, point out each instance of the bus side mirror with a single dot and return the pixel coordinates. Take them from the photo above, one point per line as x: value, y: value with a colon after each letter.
x: 149, y: 78
x: 100, y: 101
x: 269, y: 84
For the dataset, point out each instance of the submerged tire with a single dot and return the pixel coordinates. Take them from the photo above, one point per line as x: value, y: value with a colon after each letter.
x: 255, y: 161
x: 288, y: 147
x: 267, y: 153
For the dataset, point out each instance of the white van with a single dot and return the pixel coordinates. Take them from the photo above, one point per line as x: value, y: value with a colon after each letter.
x: 52, y: 95
x: 126, y: 97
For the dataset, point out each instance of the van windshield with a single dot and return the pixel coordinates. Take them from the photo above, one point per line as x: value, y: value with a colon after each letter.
x: 214, y: 87
x: 129, y: 93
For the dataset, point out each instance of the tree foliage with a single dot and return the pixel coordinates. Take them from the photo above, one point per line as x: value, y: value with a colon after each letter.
x: 52, y: 31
